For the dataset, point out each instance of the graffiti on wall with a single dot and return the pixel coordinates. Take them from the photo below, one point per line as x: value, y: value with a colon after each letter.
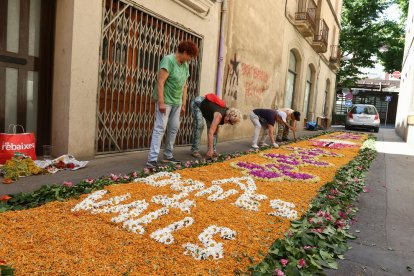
x: 253, y: 81
x: 232, y: 84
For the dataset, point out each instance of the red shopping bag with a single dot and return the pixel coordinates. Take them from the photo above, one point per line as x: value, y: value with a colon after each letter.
x: 215, y: 99
x: 16, y: 142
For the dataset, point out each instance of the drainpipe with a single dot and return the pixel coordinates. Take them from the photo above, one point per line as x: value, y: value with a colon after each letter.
x: 221, y: 48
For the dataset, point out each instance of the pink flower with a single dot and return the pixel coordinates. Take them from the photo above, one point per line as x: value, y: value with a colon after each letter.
x: 126, y: 177
x: 340, y: 223
x: 67, y: 184
x: 342, y: 214
x: 228, y: 157
x: 187, y: 164
x: 356, y: 180
x: 290, y: 234
x: 311, y: 220
x: 302, y: 263
x: 134, y: 174
x: 146, y: 170
x: 334, y: 192
x: 89, y: 180
x: 365, y: 189
x: 317, y: 230
x: 178, y: 167
x: 114, y: 177
x: 330, y: 197
x: 278, y: 272
x: 284, y: 262
x: 307, y: 247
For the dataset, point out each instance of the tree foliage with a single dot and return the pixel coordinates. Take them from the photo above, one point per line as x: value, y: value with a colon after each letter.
x: 392, y: 55
x: 403, y: 6
x: 367, y: 36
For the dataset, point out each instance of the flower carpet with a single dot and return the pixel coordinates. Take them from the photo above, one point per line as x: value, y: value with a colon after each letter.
x: 217, y: 219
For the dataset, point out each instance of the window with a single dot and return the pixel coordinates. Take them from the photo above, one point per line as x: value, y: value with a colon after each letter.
x: 326, y: 105
x: 308, y: 89
x: 367, y: 110
x: 291, y: 81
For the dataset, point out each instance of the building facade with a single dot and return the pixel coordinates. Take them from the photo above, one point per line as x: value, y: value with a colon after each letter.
x: 405, y: 113
x: 80, y: 73
x: 282, y: 54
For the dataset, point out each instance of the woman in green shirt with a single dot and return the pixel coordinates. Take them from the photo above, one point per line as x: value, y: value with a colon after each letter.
x: 170, y: 94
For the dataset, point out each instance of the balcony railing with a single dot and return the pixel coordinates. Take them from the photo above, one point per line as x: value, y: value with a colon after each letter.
x: 335, y: 54
x: 320, y: 41
x: 305, y: 17
x: 335, y: 58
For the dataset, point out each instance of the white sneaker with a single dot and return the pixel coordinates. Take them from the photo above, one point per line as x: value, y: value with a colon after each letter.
x: 255, y: 146
x: 264, y: 145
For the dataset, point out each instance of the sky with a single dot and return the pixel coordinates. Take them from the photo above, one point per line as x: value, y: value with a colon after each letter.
x: 393, y: 12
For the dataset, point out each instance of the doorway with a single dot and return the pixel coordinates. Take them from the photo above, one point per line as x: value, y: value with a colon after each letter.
x: 26, y: 56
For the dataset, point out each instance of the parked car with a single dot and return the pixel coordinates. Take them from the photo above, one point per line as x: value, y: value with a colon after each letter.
x: 363, y: 116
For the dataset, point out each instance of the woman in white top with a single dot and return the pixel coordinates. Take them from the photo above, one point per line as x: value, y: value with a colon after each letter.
x: 287, y: 120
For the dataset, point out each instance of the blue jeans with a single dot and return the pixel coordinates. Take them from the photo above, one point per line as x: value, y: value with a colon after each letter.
x: 169, y: 120
x: 198, y: 125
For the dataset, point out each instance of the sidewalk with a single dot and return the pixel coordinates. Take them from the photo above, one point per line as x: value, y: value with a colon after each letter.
x: 385, y: 221
x: 119, y: 164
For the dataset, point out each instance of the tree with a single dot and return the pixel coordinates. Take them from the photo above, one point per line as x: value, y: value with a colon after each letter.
x: 403, y: 6
x: 393, y: 34
x: 359, y: 39
x: 365, y: 35
x: 391, y: 56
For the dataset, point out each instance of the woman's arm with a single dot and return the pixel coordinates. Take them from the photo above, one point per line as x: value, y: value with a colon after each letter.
x: 162, y: 77
x: 183, y: 106
x: 212, y: 131
x: 271, y: 130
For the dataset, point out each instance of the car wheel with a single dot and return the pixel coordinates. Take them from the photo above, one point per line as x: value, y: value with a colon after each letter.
x: 376, y: 129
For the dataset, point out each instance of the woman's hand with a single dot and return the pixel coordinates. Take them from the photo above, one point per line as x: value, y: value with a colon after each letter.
x: 182, y: 112
x: 209, y: 154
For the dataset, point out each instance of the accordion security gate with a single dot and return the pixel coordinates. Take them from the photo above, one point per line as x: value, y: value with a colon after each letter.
x: 132, y: 45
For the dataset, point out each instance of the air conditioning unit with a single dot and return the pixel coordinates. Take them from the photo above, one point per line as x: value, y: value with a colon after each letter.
x: 200, y: 7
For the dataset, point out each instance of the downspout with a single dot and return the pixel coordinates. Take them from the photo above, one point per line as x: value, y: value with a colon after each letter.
x: 221, y: 48
x: 286, y: 10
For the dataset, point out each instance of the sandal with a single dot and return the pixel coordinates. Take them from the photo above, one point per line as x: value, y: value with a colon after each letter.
x: 196, y: 154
